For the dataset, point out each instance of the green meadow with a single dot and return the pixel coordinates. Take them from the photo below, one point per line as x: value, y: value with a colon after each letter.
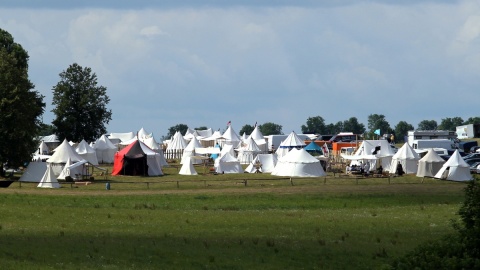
x: 223, y: 222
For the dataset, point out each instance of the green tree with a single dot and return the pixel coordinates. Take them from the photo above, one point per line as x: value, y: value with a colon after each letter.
x: 201, y: 128
x: 377, y: 121
x: 427, y: 125
x: 247, y: 129
x: 472, y: 120
x: 353, y: 125
x: 270, y: 128
x: 401, y: 130
x: 179, y: 127
x: 314, y: 125
x: 21, y: 107
x: 450, y: 123
x: 45, y: 130
x: 80, y: 105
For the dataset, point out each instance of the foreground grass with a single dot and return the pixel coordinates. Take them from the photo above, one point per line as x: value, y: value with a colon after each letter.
x: 337, y: 224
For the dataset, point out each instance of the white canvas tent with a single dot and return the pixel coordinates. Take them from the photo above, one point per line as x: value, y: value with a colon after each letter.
x: 190, y: 151
x: 87, y: 152
x: 429, y: 164
x: 117, y: 138
x: 42, y: 149
x: 259, y: 139
x: 176, y: 146
x: 227, y: 164
x: 187, y: 167
x: 105, y: 150
x: 455, y: 169
x: 407, y: 157
x: 292, y: 141
x: 267, y: 162
x: 231, y: 137
x: 298, y: 163
x: 49, y: 179
x: 34, y: 172
x: 247, y: 152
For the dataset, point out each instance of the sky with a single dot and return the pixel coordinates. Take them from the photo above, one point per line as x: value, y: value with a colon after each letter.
x: 205, y: 63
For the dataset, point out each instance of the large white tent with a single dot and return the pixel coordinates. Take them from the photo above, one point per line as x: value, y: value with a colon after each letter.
x: 292, y: 141
x: 267, y: 162
x: 189, y: 151
x: 231, y: 137
x: 34, y: 172
x: 455, y: 169
x: 248, y: 151
x: 176, y: 146
x: 429, y: 164
x: 298, y: 163
x: 105, y: 150
x: 87, y: 152
x: 259, y: 139
x: 407, y: 157
x: 227, y: 164
x: 117, y: 138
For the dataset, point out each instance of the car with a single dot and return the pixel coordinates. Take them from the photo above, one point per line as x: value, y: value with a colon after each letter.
x: 470, y: 161
x: 471, y: 155
x: 473, y: 167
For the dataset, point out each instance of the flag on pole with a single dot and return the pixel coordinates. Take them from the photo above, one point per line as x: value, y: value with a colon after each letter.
x: 255, y: 124
x: 377, y: 132
x: 229, y: 122
x: 325, y: 150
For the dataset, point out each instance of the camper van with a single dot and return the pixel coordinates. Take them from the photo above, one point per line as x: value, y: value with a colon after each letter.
x: 436, y: 143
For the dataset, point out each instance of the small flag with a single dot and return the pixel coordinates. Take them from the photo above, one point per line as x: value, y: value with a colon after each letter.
x: 229, y: 122
x: 377, y: 132
x: 325, y: 150
x: 255, y: 125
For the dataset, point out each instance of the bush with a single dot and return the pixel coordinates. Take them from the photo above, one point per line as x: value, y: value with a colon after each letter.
x: 460, y: 250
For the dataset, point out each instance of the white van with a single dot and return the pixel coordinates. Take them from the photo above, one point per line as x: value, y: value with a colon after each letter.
x: 434, y: 143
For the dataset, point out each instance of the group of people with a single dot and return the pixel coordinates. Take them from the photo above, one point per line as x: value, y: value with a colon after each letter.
x: 364, y: 169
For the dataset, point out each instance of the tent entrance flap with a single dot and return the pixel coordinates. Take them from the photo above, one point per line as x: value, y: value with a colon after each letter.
x: 136, y: 165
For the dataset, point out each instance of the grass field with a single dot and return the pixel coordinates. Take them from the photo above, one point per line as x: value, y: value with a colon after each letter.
x: 218, y: 222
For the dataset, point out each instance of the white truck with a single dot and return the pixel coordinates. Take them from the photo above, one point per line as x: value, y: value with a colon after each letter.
x: 435, y: 143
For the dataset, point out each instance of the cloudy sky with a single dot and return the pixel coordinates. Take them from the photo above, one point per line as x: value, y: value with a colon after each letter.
x: 204, y: 63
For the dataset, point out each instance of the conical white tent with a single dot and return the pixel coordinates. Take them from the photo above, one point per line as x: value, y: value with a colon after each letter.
x: 143, y: 134
x: 63, y: 152
x: 259, y: 139
x: 66, y: 170
x: 429, y: 164
x: 298, y: 163
x: 227, y: 164
x: 117, y: 138
x: 187, y: 167
x: 231, y: 137
x: 152, y: 144
x: 267, y: 162
x: 407, y: 157
x: 176, y: 146
x: 105, y: 150
x: 292, y: 141
x: 248, y: 152
x: 49, y: 179
x: 87, y: 152
x: 43, y: 149
x: 455, y: 169
x: 189, y: 151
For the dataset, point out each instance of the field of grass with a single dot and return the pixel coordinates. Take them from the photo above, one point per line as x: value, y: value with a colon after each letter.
x: 218, y: 222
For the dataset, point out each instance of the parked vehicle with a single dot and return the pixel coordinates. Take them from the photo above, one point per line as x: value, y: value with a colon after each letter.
x: 473, y: 167
x: 472, y: 160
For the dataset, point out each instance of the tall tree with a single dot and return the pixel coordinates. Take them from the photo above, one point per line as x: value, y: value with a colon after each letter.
x: 377, y: 121
x: 270, y: 128
x: 247, y: 129
x: 353, y: 125
x: 401, y: 130
x: 472, y: 120
x: 80, y: 105
x: 314, y: 125
x: 427, y: 125
x: 450, y: 123
x: 179, y: 127
x: 21, y: 107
